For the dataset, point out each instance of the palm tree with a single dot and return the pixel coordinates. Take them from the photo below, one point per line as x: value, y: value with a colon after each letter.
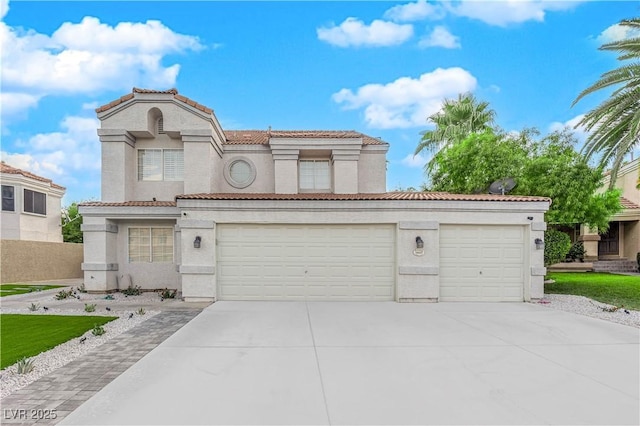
x: 614, y: 125
x: 456, y: 120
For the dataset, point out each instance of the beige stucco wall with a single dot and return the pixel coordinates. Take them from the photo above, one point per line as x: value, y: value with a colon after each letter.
x: 39, y: 261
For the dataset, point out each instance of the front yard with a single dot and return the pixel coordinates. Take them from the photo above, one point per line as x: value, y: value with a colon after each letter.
x: 612, y: 289
x: 29, y: 335
x: 13, y: 289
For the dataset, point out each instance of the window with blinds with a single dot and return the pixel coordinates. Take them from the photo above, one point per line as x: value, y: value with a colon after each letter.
x: 314, y: 175
x: 160, y: 164
x: 35, y: 202
x: 150, y: 245
x: 8, y: 201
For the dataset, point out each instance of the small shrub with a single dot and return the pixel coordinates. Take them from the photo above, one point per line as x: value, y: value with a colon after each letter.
x: 131, y: 290
x: 556, y: 246
x: 98, y: 330
x: 89, y: 307
x: 64, y: 294
x: 33, y: 307
x: 168, y: 294
x: 141, y: 311
x: 82, y: 288
x: 576, y: 252
x: 25, y: 365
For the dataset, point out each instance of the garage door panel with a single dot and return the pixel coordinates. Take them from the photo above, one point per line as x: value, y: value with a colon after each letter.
x: 313, y: 262
x: 481, y: 262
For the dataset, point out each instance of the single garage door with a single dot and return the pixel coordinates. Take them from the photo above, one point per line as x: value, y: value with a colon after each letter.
x: 481, y: 263
x: 306, y: 262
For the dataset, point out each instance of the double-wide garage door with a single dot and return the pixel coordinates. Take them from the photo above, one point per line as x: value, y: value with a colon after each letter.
x: 306, y: 262
x: 482, y: 263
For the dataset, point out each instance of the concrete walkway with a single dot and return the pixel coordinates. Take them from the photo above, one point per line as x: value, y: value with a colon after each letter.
x: 378, y: 363
x: 62, y: 391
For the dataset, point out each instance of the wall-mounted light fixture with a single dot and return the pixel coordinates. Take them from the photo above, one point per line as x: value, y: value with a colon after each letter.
x: 419, y: 251
x: 196, y: 242
x: 539, y: 243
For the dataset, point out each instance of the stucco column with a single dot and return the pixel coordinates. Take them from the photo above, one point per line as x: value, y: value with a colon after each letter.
x: 418, y: 269
x: 345, y: 171
x: 535, y: 290
x: 118, y: 165
x: 100, y: 264
x: 590, y: 241
x: 200, y: 149
x: 285, y: 165
x: 198, y: 254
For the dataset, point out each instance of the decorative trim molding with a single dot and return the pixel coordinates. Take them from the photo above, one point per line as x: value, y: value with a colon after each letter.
x: 107, y: 227
x: 418, y: 270
x: 99, y: 266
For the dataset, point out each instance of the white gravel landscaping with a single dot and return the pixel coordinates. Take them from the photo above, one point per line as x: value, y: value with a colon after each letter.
x: 585, y: 306
x: 46, y: 362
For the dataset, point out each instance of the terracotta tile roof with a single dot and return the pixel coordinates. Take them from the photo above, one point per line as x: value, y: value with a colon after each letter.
x: 173, y: 92
x: 261, y: 137
x: 130, y: 204
x: 5, y: 168
x: 626, y: 204
x: 402, y: 196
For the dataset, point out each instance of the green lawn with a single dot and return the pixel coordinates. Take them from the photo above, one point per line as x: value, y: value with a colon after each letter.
x: 618, y: 290
x: 12, y: 289
x: 29, y: 335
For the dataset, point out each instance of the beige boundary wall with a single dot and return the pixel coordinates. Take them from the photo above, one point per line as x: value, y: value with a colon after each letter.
x: 39, y: 261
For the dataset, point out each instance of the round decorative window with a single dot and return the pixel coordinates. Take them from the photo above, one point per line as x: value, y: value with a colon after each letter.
x: 240, y: 172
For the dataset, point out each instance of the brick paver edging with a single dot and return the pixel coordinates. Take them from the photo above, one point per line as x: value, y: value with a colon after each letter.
x: 65, y: 389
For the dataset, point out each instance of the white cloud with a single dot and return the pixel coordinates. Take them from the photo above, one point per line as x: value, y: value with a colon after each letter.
x: 15, y: 103
x: 505, y: 12
x: 414, y: 161
x: 354, y: 32
x: 69, y: 156
x: 417, y: 11
x: 4, y: 8
x: 89, y: 57
x: 406, y: 102
x: 617, y: 32
x: 580, y: 132
x: 440, y: 37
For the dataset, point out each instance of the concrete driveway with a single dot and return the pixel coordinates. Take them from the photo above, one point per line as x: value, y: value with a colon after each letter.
x: 380, y: 363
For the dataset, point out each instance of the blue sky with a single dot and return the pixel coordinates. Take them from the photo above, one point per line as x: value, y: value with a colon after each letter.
x: 377, y: 67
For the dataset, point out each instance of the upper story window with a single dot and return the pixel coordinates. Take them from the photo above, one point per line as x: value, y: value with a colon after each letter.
x: 240, y: 172
x: 8, y: 200
x: 161, y: 164
x: 160, y: 125
x: 34, y: 202
x: 315, y: 175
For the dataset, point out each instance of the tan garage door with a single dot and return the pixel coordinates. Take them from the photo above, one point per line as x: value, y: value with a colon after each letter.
x: 481, y: 263
x: 306, y: 262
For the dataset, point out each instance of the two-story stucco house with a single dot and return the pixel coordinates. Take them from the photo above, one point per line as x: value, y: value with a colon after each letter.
x: 617, y: 248
x: 289, y: 215
x: 31, y: 206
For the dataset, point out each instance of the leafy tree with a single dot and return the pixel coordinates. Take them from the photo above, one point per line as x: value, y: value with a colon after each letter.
x: 71, y: 223
x: 548, y: 167
x: 457, y: 119
x: 614, y: 125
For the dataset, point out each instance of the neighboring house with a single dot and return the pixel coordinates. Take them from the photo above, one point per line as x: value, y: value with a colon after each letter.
x: 289, y: 215
x: 31, y: 206
x: 622, y: 240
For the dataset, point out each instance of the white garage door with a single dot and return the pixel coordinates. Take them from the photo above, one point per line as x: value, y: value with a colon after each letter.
x: 306, y: 262
x: 481, y: 263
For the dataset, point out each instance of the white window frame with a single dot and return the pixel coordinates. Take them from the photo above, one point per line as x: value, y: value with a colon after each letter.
x: 13, y: 198
x: 25, y: 197
x: 169, y: 171
x: 315, y: 186
x: 153, y: 256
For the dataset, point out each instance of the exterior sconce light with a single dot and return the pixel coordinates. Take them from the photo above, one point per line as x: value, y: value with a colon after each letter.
x: 419, y: 251
x: 539, y: 244
x: 196, y: 242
